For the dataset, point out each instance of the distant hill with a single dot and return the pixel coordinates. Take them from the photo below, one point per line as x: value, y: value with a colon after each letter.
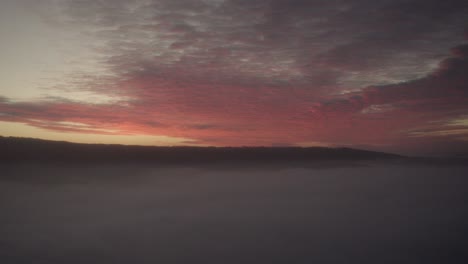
x: 13, y: 149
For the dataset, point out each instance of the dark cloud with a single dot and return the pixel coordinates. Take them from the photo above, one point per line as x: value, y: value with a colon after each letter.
x: 448, y: 82
x: 269, y: 42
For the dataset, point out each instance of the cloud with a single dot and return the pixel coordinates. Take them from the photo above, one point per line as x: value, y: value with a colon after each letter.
x: 313, y: 44
x: 239, y: 115
x: 448, y: 82
x: 378, y: 108
x: 261, y: 72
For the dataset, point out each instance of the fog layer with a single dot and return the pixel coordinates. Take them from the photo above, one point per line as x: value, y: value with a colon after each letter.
x: 143, y: 214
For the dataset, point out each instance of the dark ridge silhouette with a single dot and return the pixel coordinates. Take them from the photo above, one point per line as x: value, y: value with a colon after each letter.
x: 14, y: 149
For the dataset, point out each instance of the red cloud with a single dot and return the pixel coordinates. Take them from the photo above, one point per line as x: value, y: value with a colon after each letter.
x: 217, y: 114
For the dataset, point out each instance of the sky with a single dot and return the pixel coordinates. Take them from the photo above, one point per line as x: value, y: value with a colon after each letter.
x: 389, y: 75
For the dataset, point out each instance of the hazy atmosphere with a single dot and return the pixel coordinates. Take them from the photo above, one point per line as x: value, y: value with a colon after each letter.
x: 383, y: 75
x: 371, y: 213
x: 233, y: 131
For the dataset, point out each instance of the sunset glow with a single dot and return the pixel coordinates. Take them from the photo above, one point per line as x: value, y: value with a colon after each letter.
x: 381, y: 75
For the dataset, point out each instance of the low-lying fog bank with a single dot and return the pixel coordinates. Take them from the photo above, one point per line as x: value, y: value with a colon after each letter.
x: 142, y: 214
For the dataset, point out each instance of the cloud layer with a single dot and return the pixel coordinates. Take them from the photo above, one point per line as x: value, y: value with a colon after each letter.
x: 264, y: 72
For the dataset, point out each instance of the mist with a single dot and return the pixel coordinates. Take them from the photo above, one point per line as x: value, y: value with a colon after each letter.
x: 367, y: 213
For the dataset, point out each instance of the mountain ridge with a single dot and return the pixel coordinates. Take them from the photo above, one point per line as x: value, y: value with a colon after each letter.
x: 31, y: 149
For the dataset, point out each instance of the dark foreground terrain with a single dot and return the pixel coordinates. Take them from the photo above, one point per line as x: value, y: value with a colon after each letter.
x: 361, y: 210
x: 44, y: 151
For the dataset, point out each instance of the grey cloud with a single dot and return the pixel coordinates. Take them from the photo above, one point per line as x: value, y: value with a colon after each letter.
x: 310, y: 44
